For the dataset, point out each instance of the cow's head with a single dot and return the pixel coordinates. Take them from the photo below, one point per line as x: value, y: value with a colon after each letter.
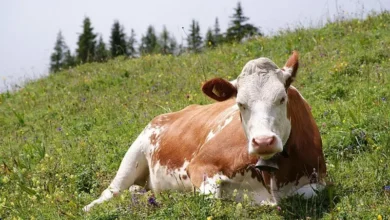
x: 261, y: 95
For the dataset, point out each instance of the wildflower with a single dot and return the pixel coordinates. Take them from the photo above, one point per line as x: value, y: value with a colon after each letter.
x: 246, y: 198
x: 379, y: 217
x: 134, y: 200
x: 210, y: 218
x: 59, y: 129
x: 152, y: 201
x: 5, y: 179
x: 279, y: 208
x: 234, y: 192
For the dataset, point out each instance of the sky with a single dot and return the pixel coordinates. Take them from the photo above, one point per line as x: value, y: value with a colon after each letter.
x: 28, y: 29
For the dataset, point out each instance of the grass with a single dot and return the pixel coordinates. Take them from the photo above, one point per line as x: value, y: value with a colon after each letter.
x: 63, y: 137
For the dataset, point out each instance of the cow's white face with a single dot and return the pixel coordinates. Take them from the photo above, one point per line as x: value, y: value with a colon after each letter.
x: 261, y: 95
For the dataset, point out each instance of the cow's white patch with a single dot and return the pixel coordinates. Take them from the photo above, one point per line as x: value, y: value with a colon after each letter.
x: 221, y: 121
x: 240, y: 187
x: 302, y: 188
x: 162, y: 178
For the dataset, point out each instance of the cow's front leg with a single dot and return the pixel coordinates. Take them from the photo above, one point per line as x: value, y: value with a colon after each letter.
x: 206, y: 179
x: 212, y: 185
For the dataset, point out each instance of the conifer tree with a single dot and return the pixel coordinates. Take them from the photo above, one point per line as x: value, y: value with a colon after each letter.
x: 238, y: 29
x: 149, y: 42
x: 210, y: 39
x: 101, y: 54
x: 131, y: 51
x: 166, y: 42
x: 86, y: 43
x: 218, y: 38
x: 69, y: 59
x: 57, y: 58
x: 194, y: 39
x: 118, y: 43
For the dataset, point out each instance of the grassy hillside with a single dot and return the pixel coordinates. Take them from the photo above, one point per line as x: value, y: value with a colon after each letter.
x: 63, y: 137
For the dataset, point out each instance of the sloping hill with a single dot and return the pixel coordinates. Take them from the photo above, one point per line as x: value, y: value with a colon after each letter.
x: 63, y: 137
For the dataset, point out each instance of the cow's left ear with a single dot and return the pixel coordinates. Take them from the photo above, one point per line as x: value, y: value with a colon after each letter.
x: 290, y: 69
x: 220, y: 89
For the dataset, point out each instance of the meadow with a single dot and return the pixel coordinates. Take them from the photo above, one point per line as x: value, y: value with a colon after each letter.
x: 63, y: 137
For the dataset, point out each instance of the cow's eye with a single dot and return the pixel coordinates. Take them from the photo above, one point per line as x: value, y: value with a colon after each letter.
x: 241, y: 106
x: 282, y: 100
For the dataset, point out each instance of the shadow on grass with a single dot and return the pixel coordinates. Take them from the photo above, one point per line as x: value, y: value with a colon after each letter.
x: 296, y: 207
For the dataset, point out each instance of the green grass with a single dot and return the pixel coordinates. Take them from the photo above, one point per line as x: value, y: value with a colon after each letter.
x: 63, y: 137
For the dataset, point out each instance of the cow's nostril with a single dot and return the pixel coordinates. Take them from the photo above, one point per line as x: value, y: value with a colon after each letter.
x: 271, y: 140
x: 263, y: 141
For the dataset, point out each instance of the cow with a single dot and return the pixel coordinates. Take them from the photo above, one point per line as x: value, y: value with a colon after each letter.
x: 214, y: 148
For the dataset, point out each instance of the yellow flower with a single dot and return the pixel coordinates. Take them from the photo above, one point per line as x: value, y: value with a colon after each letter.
x: 210, y: 218
x: 246, y: 198
x: 379, y: 217
x: 5, y: 179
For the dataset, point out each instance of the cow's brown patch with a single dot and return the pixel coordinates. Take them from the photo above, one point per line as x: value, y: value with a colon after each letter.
x: 184, y: 134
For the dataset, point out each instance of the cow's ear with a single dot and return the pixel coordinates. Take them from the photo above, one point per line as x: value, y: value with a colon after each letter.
x: 290, y: 69
x: 220, y: 89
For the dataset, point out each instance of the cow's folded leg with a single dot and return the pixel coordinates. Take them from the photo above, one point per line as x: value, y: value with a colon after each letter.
x: 212, y: 185
x: 309, y: 190
x: 133, y: 168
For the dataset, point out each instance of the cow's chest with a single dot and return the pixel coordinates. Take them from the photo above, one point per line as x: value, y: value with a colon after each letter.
x: 241, y: 187
x: 162, y: 178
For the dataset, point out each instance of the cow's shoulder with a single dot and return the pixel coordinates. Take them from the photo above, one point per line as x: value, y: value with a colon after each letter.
x: 224, y: 151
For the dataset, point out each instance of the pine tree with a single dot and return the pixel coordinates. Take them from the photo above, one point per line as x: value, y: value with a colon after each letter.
x: 194, y: 39
x: 87, y: 43
x: 57, y: 58
x: 149, y: 42
x: 101, y: 54
x: 131, y: 51
x: 69, y: 59
x: 118, y: 43
x: 166, y: 42
x: 238, y: 30
x: 210, y: 39
x: 218, y: 38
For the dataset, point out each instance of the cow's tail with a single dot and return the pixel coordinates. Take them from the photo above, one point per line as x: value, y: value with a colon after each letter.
x: 133, y: 168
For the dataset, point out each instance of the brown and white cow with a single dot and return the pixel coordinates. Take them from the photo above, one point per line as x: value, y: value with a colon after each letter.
x: 214, y: 147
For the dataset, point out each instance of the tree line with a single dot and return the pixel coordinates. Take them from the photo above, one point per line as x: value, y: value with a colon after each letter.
x: 92, y: 48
